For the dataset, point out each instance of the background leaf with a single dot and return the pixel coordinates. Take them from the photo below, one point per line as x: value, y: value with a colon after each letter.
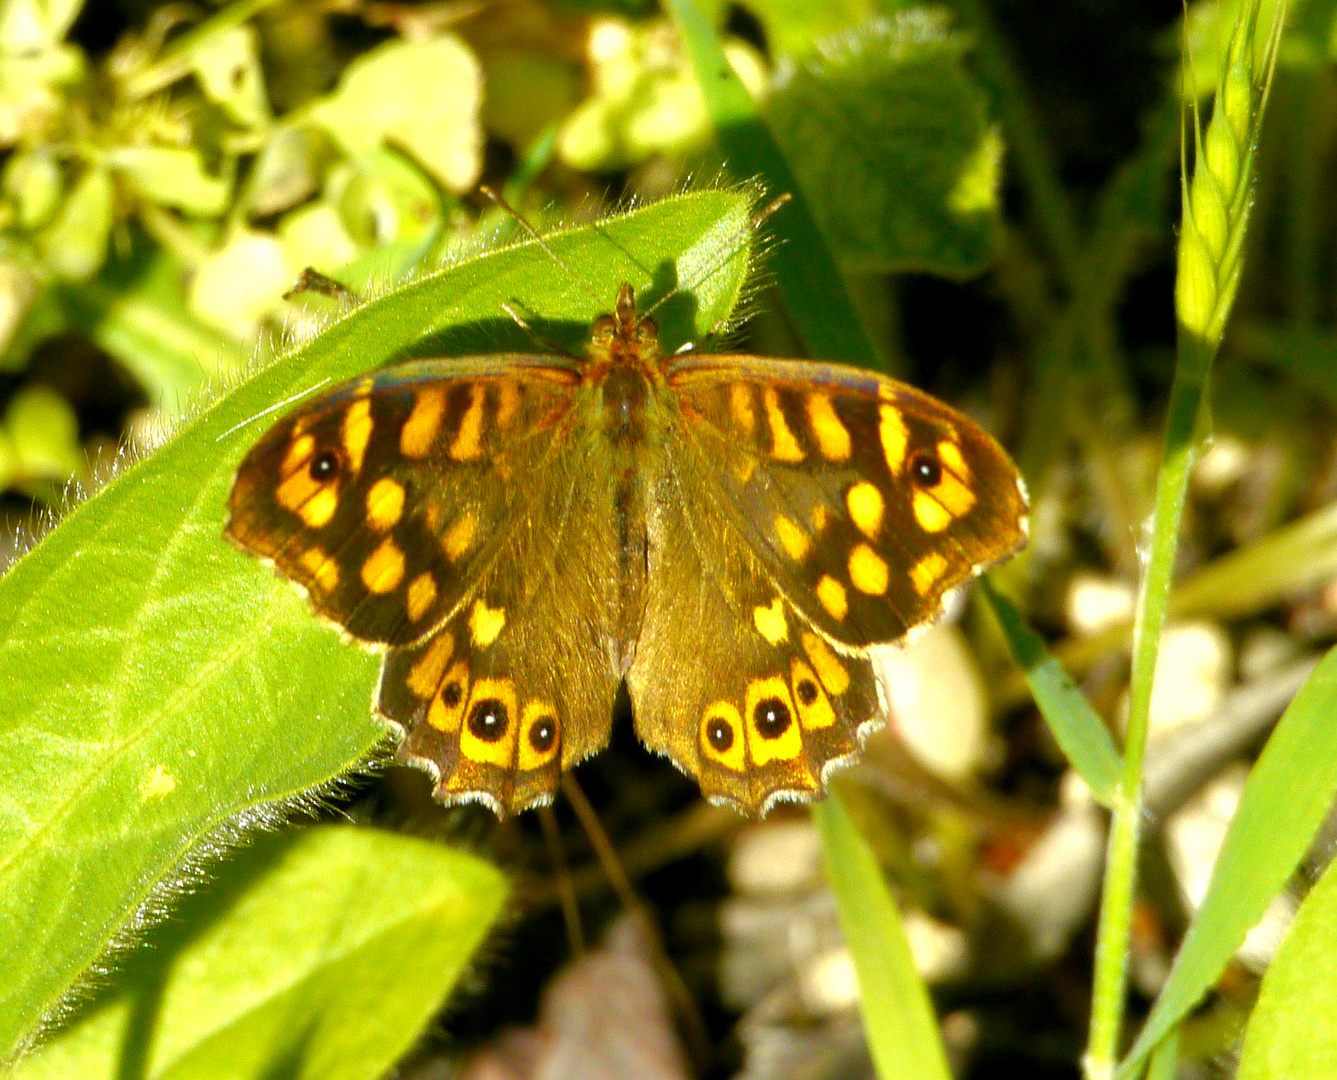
x: 319, y: 953
x: 888, y: 136
x: 1293, y: 1029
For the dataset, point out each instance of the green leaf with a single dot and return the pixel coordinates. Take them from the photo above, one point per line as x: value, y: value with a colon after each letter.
x: 645, y: 98
x: 172, y: 176
x: 889, y: 138
x: 32, y: 181
x: 1293, y: 1029
x: 1076, y: 726
x: 898, y: 1019
x: 1285, y: 800
x: 227, y: 65
x: 158, y: 683
x: 141, y: 318
x: 794, y: 27
x: 32, y: 25
x: 44, y: 435
x: 814, y: 293
x: 321, y: 953
x: 424, y: 96
x: 241, y: 283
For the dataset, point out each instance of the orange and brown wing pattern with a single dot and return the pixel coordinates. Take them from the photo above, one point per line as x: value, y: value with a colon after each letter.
x: 865, y: 499
x: 385, y: 497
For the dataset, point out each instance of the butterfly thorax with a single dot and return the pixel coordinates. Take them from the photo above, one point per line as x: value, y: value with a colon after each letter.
x: 625, y: 369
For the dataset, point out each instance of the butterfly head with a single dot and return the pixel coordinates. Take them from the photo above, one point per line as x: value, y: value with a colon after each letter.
x: 623, y: 337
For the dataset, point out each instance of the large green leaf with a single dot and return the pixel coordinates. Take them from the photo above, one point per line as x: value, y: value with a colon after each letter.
x: 158, y: 683
x: 320, y: 953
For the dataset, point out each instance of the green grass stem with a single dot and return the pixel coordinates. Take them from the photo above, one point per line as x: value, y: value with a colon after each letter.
x: 1216, y: 203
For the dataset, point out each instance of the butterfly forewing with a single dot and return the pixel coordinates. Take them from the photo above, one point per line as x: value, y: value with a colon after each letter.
x: 385, y: 498
x: 865, y: 499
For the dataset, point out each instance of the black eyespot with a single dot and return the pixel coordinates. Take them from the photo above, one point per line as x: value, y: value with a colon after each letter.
x: 719, y: 734
x: 324, y: 466
x: 542, y: 734
x: 452, y: 695
x: 488, y: 720
x: 925, y: 469
x: 807, y: 691
x: 772, y: 718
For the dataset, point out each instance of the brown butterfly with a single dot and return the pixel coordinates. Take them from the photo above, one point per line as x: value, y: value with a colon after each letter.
x: 730, y: 535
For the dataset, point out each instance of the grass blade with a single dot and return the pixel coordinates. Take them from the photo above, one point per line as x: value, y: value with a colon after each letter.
x: 1285, y: 800
x: 1216, y: 204
x: 1078, y: 729
x: 805, y: 270
x: 898, y: 1018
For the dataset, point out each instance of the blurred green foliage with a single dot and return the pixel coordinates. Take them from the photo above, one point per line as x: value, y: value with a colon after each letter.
x: 158, y: 197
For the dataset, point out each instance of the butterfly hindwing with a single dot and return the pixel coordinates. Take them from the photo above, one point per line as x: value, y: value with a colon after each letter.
x: 864, y: 498
x: 519, y: 683
x: 729, y: 680
x: 384, y: 497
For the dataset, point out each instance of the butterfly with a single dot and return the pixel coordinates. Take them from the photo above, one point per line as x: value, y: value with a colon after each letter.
x: 729, y: 536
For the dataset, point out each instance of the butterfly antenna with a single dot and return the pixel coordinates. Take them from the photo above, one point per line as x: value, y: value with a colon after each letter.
x: 566, y: 889
x: 755, y: 222
x: 694, y: 1027
x: 539, y: 339
x: 534, y: 235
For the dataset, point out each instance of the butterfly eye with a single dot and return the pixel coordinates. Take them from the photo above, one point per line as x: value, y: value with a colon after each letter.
x: 324, y: 466
x: 926, y: 469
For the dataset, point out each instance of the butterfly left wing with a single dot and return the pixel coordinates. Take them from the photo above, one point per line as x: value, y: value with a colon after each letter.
x: 428, y: 509
x: 865, y: 499
x: 519, y: 683
x: 807, y: 513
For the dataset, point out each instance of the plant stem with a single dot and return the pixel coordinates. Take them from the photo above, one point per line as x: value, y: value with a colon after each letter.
x: 1119, y: 891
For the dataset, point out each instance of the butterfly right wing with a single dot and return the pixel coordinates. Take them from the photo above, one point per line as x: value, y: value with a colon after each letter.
x: 386, y: 497
x: 428, y: 509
